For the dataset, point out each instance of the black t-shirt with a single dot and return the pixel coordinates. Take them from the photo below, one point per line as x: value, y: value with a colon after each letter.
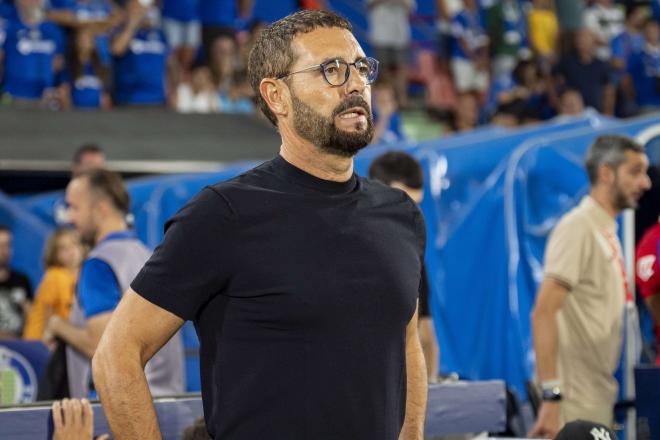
x: 300, y: 290
x: 14, y: 291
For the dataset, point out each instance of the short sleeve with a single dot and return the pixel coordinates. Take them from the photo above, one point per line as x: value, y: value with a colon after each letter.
x: 192, y: 264
x: 646, y: 270
x: 98, y: 288
x: 565, y: 251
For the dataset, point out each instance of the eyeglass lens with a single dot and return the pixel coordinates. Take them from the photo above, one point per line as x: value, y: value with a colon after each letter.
x: 337, y: 71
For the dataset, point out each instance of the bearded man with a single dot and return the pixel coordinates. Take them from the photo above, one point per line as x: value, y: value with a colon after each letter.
x: 302, y: 278
x: 578, y: 316
x: 97, y: 205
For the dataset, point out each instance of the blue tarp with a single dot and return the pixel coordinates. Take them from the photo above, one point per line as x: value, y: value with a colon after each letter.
x: 491, y: 198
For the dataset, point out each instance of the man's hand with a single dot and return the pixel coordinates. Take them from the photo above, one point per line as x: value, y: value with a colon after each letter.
x: 547, y: 423
x: 73, y: 419
x: 49, y: 336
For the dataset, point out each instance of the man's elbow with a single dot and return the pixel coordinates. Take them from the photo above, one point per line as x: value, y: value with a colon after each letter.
x: 100, y: 364
x: 539, y: 314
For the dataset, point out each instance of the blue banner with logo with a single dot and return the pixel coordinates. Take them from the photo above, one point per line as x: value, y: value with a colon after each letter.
x: 21, y: 365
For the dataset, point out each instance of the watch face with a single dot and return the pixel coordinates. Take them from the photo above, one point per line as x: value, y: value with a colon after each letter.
x: 552, y: 394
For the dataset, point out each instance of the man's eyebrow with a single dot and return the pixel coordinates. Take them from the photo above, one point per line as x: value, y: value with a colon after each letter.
x: 340, y: 58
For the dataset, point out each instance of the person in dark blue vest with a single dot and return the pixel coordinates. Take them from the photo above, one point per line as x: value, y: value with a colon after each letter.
x: 141, y: 54
x: 30, y: 54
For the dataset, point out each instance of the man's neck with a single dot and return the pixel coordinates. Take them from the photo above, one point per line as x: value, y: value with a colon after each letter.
x: 602, y: 198
x: 110, y: 226
x: 304, y: 155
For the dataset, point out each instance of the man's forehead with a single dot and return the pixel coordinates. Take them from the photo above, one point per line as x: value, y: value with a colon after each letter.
x: 635, y: 157
x: 323, y: 43
x: 76, y: 186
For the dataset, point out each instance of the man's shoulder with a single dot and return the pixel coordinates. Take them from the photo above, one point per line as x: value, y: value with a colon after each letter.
x: 379, y: 194
x: 119, y: 247
x: 574, y: 222
x: 649, y: 241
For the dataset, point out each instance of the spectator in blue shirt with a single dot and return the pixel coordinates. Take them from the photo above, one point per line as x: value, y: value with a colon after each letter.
x: 31, y: 54
x: 98, y: 17
x: 388, y: 125
x: 183, y: 29
x: 644, y: 69
x: 88, y: 74
x: 469, y: 57
x: 141, y: 58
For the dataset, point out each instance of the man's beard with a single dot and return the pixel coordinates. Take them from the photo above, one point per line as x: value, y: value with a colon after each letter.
x: 322, y: 132
x: 620, y: 200
x: 88, y: 238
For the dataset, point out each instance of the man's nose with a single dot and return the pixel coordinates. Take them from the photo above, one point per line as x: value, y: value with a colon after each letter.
x: 356, y: 83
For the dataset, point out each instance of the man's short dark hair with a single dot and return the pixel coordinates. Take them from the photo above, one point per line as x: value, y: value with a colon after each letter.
x: 5, y: 228
x: 86, y: 149
x: 609, y: 150
x: 397, y: 166
x: 272, y: 56
x: 110, y: 185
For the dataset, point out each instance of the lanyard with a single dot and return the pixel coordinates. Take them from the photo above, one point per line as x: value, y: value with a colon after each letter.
x: 616, y: 247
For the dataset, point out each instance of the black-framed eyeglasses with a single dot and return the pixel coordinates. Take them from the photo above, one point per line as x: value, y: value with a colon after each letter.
x: 336, y: 72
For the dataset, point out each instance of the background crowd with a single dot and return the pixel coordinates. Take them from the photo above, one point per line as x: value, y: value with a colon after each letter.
x: 509, y: 62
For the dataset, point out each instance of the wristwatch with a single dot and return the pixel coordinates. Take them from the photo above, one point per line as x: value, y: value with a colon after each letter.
x: 551, y: 394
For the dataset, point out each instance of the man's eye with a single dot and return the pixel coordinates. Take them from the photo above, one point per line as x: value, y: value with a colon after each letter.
x: 331, y: 68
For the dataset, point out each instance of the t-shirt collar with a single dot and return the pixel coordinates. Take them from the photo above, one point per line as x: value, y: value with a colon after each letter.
x: 292, y: 173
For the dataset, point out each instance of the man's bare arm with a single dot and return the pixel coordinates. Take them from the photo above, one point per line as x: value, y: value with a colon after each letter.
x: 136, y: 331
x: 83, y: 339
x: 552, y: 295
x: 417, y: 384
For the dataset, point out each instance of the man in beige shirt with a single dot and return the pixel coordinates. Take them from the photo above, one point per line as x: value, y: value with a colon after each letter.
x: 577, y: 320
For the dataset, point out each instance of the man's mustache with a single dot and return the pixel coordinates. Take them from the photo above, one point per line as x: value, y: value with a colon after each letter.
x: 351, y: 102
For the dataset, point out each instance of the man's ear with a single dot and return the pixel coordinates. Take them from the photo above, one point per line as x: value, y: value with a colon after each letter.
x: 275, y: 95
x: 606, y: 174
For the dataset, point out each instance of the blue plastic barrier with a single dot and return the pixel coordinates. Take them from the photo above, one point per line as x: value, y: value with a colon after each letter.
x: 462, y: 407
x: 491, y: 198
